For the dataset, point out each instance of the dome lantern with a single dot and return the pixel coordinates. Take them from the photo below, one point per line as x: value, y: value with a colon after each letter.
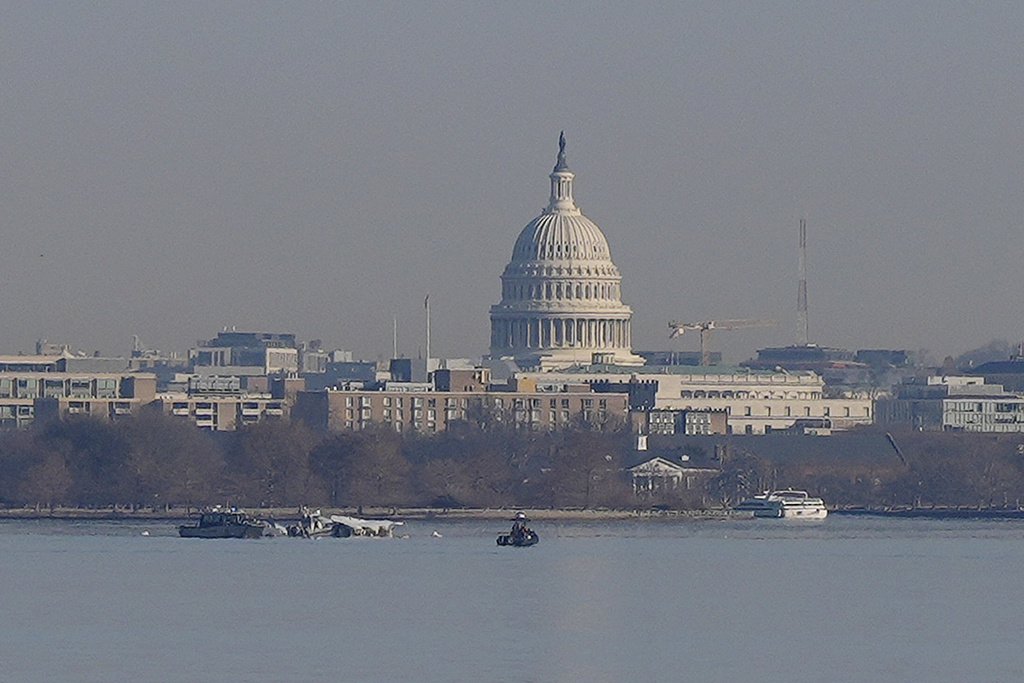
x: 561, y: 183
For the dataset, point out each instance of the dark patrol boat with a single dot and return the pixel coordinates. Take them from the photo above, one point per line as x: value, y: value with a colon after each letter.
x: 521, y: 535
x: 219, y: 523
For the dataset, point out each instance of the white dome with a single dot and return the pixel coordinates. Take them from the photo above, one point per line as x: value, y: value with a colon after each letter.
x: 561, y: 237
x: 560, y: 293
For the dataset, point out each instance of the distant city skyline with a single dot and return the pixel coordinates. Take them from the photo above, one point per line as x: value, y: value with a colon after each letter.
x: 171, y: 170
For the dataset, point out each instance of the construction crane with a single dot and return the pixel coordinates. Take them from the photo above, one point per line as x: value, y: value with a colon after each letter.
x: 707, y: 327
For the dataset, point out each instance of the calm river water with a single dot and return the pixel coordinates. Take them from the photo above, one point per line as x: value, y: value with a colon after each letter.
x: 847, y: 599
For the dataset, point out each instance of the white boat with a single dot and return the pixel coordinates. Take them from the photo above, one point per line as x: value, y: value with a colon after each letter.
x: 787, y: 504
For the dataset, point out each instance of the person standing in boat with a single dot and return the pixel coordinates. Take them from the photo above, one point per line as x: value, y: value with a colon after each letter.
x: 519, y: 529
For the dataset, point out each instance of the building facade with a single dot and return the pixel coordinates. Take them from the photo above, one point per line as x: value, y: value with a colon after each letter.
x: 29, y: 396
x: 752, y: 402
x: 422, y: 409
x: 953, y: 403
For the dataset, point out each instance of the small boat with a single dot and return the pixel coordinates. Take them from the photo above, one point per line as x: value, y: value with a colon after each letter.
x: 521, y: 535
x: 217, y: 523
x: 785, y: 504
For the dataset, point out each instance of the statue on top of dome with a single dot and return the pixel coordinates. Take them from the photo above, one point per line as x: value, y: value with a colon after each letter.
x: 561, y: 152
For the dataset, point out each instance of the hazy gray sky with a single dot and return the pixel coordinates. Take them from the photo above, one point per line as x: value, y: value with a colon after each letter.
x: 169, y: 168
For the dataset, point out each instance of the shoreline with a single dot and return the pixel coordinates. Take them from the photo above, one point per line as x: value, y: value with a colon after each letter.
x: 286, y: 514
x: 289, y: 514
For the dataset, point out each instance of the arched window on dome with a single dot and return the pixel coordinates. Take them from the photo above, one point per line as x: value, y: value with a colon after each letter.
x: 558, y: 291
x: 579, y: 290
x: 586, y: 292
x: 547, y: 292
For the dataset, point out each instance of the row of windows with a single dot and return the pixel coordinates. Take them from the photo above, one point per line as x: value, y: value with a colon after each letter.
x: 762, y: 395
x: 787, y: 411
x: 980, y: 407
x: 558, y: 291
x: 400, y: 401
x: 365, y: 403
x: 26, y: 387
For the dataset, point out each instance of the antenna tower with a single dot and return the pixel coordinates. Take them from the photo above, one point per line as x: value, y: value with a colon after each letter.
x: 426, y: 307
x: 801, y: 293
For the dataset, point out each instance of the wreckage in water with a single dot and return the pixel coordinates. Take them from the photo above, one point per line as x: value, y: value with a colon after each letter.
x: 315, y: 525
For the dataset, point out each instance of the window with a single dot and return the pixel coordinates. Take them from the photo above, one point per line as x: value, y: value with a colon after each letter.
x: 53, y: 388
x: 29, y: 388
x: 106, y: 388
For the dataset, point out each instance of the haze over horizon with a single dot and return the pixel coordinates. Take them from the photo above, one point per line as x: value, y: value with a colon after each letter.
x: 172, y: 169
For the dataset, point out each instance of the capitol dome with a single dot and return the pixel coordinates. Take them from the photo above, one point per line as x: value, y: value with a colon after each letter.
x: 560, y: 293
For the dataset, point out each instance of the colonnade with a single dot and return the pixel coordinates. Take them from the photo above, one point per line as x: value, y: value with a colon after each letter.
x: 560, y: 333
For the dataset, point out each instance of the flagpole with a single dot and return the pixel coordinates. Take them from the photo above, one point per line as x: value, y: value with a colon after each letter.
x: 426, y: 307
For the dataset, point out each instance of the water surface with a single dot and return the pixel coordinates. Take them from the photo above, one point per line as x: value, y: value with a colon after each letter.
x: 846, y: 599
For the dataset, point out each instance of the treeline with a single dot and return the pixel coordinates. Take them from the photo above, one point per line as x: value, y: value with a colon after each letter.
x: 153, y: 461
x: 926, y: 469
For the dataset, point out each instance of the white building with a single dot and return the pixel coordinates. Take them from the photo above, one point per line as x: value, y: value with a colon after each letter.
x: 954, y: 403
x: 755, y: 402
x: 560, y: 293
